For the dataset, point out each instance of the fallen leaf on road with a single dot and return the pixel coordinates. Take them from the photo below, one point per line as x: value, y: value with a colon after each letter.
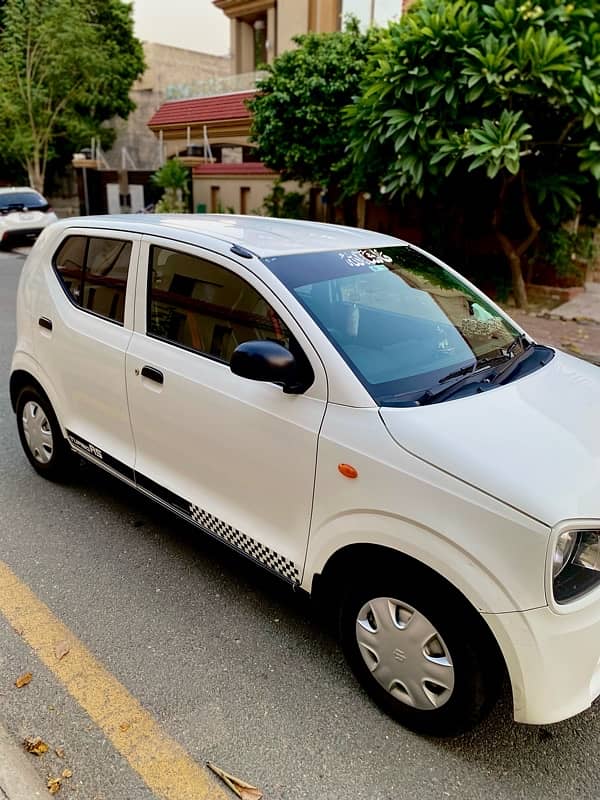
x: 61, y: 649
x: 60, y: 752
x: 124, y: 726
x: 244, y: 791
x: 35, y: 745
x: 17, y: 629
x: 53, y: 785
x: 23, y: 680
x: 67, y: 773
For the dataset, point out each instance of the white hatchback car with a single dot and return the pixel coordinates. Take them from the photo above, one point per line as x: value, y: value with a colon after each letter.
x: 345, y: 410
x: 24, y: 213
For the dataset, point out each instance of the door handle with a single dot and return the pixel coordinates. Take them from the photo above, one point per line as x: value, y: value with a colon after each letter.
x: 153, y: 374
x: 44, y: 322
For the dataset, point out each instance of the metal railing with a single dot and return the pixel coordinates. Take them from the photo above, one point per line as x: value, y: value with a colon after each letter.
x: 243, y: 82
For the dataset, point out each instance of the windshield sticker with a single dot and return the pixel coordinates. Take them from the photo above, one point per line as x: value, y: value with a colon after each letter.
x: 366, y: 258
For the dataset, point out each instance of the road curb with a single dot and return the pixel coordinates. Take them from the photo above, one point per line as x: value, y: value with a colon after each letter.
x: 18, y: 778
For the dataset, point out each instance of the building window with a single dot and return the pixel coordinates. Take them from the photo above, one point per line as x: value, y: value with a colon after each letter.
x: 215, y: 201
x: 372, y: 12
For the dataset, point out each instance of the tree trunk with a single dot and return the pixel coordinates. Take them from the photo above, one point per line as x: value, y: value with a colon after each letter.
x: 514, y: 253
x: 35, y: 174
x: 514, y: 260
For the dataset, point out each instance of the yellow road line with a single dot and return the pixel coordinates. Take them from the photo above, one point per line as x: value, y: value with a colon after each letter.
x: 160, y: 761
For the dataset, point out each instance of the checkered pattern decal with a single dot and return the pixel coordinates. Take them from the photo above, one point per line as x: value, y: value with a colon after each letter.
x: 269, y: 558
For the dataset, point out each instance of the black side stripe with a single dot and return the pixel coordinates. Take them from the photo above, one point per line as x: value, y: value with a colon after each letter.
x: 213, y: 526
x: 165, y: 495
x: 88, y: 449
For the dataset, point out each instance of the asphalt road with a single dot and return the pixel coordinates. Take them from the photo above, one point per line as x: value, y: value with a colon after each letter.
x: 230, y: 663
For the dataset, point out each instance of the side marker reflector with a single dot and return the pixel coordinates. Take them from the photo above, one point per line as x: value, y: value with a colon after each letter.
x: 348, y: 471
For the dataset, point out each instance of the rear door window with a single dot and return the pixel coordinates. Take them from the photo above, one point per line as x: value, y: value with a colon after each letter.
x: 93, y: 271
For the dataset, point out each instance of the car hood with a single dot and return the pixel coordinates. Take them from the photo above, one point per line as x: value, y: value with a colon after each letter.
x: 533, y: 443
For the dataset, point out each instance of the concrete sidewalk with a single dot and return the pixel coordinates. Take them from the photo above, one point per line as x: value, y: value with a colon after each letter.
x: 18, y: 777
x: 584, y: 307
x: 573, y: 326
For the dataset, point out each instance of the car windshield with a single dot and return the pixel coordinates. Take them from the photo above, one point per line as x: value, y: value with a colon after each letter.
x: 23, y: 199
x: 404, y: 324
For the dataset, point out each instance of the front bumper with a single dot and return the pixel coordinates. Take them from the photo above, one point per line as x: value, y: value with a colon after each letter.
x: 553, y: 661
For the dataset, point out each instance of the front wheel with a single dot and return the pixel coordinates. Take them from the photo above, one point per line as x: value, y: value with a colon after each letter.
x: 421, y: 653
x: 41, y: 436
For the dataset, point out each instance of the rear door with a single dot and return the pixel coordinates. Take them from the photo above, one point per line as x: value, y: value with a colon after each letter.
x: 235, y: 456
x: 84, y: 321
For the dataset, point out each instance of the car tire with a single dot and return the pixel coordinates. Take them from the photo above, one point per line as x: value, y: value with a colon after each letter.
x: 421, y: 652
x: 41, y: 436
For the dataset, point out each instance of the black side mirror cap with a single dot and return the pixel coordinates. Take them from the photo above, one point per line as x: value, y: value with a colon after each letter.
x: 267, y: 361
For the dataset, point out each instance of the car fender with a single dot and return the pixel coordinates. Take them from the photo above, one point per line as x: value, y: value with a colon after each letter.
x: 24, y: 362
x: 479, y: 585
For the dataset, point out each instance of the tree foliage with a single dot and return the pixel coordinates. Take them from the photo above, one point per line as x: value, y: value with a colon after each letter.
x: 509, y: 90
x: 297, y: 113
x: 66, y: 66
x: 173, y: 178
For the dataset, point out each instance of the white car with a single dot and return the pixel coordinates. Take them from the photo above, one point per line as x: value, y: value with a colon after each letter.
x: 340, y: 407
x: 24, y: 213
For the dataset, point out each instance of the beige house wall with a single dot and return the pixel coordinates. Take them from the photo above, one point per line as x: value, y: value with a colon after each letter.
x: 225, y: 192
x: 292, y: 19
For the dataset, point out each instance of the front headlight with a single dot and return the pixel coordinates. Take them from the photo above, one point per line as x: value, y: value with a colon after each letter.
x: 565, y: 544
x: 575, y: 564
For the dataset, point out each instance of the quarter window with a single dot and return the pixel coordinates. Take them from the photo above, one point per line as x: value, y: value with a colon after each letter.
x: 94, y: 272
x: 69, y: 262
x: 205, y: 307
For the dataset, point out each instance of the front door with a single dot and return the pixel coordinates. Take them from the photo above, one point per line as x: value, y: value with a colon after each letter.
x: 236, y: 456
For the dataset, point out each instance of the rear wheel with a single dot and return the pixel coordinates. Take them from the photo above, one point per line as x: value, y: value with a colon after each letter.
x: 41, y: 436
x: 421, y: 652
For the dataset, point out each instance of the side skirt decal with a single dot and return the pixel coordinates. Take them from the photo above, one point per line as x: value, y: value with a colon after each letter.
x: 250, y: 547
x: 207, y: 522
x: 93, y: 453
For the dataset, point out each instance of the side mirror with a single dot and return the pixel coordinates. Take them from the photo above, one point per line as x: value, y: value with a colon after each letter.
x: 267, y: 361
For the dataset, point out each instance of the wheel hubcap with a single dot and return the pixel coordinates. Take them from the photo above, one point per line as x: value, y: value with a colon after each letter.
x: 37, y: 431
x: 405, y: 653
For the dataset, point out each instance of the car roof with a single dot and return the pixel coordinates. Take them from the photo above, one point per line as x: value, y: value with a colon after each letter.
x: 262, y: 236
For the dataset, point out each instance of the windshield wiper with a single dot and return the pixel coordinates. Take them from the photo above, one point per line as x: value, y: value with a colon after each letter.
x: 473, y: 376
x: 459, y: 372
x: 513, y: 359
x: 472, y: 373
x: 4, y: 210
x: 508, y: 353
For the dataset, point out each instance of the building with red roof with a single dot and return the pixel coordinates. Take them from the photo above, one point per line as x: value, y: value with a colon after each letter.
x: 208, y: 124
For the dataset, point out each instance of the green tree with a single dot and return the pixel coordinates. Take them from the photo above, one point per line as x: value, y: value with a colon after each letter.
x: 287, y: 205
x: 297, y: 113
x: 66, y: 66
x: 173, y: 177
x: 507, y: 91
